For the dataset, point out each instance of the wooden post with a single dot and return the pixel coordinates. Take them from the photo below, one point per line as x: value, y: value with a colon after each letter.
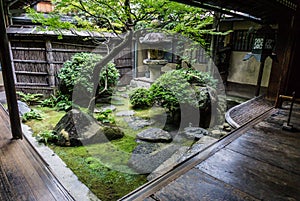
x: 260, y: 74
x: 9, y: 83
x: 51, y: 70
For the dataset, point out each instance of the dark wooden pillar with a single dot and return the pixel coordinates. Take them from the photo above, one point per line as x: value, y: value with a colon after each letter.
x: 8, y: 79
x: 284, y: 48
x: 293, y: 83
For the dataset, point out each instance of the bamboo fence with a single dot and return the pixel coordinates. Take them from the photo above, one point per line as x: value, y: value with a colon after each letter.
x: 38, y: 60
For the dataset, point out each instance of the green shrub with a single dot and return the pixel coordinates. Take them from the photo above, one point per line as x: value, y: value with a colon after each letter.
x: 141, y: 98
x: 33, y: 114
x: 184, y: 86
x: 29, y: 98
x: 79, y: 70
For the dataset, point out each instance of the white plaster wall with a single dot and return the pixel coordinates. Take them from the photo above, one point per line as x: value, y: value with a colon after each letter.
x: 246, y: 72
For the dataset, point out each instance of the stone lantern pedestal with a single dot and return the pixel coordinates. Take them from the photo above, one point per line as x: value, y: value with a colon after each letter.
x: 155, y: 67
x: 155, y: 44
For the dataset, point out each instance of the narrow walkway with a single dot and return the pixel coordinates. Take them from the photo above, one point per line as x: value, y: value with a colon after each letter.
x: 258, y: 161
x: 243, y: 113
x: 23, y: 174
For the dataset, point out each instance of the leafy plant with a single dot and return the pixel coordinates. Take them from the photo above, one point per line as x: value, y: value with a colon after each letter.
x: 46, y: 136
x: 59, y: 101
x: 141, y: 98
x: 105, y: 117
x: 29, y: 98
x: 184, y: 86
x: 33, y: 114
x: 79, y: 70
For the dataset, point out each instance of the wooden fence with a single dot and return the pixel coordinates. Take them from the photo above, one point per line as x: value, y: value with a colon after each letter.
x: 38, y: 59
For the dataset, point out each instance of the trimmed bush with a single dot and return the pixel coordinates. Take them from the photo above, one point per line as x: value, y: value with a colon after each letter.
x: 141, y: 98
x: 184, y: 86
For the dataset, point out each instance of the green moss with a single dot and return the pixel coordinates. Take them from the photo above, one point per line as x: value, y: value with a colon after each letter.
x: 93, y: 166
x: 50, y: 119
x: 101, y: 167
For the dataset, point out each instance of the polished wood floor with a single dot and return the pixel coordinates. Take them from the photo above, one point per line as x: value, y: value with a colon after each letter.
x: 23, y: 174
x: 258, y: 161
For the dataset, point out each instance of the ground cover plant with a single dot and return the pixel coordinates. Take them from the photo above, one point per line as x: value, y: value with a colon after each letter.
x: 93, y: 163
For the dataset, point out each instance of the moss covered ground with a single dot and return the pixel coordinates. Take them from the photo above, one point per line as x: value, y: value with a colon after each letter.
x: 101, y: 167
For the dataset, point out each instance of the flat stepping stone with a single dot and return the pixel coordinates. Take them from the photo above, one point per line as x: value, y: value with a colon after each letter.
x: 125, y: 113
x: 148, y: 156
x: 137, y: 123
x: 105, y: 108
x: 195, y: 133
x: 154, y: 135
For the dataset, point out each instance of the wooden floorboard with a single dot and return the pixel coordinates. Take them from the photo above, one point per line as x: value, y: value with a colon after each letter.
x: 282, y: 151
x: 24, y: 175
x: 261, y: 180
x: 203, y: 187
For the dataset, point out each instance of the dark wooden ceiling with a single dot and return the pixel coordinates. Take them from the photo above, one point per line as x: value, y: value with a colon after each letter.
x: 266, y: 11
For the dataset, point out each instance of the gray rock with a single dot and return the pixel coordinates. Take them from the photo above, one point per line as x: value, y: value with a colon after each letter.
x: 125, y: 113
x: 168, y: 164
x: 77, y: 128
x: 137, y: 123
x: 199, y: 146
x: 140, y: 83
x: 105, y: 108
x: 154, y: 135
x: 216, y: 133
x: 194, y: 133
x: 122, y: 89
x: 182, y: 154
x: 148, y: 156
x: 23, y: 108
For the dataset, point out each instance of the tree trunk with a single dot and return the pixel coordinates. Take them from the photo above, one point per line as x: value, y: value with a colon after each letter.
x: 98, y: 67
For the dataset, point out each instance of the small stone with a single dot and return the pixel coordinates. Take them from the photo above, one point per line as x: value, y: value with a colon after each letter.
x: 125, y: 113
x: 122, y: 89
x: 223, y: 133
x: 228, y: 129
x: 216, y: 133
x: 195, y: 132
x: 105, y: 108
x: 137, y: 123
x: 226, y: 125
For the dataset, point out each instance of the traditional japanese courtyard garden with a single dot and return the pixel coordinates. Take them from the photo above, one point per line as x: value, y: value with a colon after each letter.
x: 133, y: 134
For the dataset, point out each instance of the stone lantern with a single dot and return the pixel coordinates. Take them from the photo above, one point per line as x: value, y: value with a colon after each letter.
x: 155, y: 42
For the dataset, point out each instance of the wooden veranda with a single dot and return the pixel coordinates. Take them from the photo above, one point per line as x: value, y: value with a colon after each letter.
x: 23, y: 173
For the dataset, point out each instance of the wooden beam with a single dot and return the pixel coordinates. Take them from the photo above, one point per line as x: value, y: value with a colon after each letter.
x: 9, y: 82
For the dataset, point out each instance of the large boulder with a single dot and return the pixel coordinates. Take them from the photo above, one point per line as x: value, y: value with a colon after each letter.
x: 77, y: 128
